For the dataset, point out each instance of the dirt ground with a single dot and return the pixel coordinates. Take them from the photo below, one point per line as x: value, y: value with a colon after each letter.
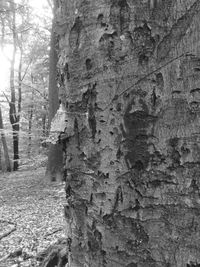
x: 31, y: 216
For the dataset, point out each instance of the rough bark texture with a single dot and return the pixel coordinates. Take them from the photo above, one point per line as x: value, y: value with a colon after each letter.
x: 130, y: 78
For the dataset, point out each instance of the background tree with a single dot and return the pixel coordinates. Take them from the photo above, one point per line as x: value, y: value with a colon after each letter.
x: 130, y: 73
x: 28, y: 76
x: 16, y: 27
x: 5, y: 147
x: 54, y: 169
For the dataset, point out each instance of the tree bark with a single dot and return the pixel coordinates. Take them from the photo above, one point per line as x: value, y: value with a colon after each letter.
x: 53, y: 88
x: 30, y: 119
x: 54, y: 166
x: 44, y: 122
x: 1, y: 166
x: 129, y: 71
x: 14, y: 117
x: 5, y: 148
x: 15, y: 129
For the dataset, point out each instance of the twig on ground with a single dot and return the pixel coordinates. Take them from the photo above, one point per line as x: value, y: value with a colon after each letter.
x: 14, y: 254
x: 4, y: 258
x: 8, y: 232
x: 55, y: 231
x: 2, y: 199
x: 6, y: 221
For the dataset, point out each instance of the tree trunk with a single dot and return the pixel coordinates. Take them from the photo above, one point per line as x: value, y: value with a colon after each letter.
x: 5, y: 148
x: 15, y: 129
x: 53, y: 88
x: 30, y: 120
x: 44, y: 122
x: 54, y: 165
x: 56, y: 160
x: 14, y: 117
x: 130, y: 73
x: 1, y: 166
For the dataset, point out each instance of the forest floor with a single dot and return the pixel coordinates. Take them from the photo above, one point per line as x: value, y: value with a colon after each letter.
x: 31, y: 216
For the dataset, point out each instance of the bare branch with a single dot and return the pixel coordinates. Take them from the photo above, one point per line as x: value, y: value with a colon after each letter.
x: 35, y: 89
x: 6, y: 98
x: 50, y: 3
x: 26, y: 70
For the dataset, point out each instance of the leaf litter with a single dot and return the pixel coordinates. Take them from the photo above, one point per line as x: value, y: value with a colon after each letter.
x: 31, y: 216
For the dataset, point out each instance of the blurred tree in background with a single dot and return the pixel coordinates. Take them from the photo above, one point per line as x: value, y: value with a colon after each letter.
x: 25, y: 42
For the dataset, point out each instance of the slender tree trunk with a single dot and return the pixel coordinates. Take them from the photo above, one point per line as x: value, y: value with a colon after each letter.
x: 54, y: 166
x: 53, y: 88
x: 15, y: 126
x: 44, y: 126
x: 14, y: 117
x: 15, y: 129
x: 1, y: 165
x: 44, y: 122
x: 30, y: 118
x: 130, y: 72
x: 20, y: 84
x: 5, y: 148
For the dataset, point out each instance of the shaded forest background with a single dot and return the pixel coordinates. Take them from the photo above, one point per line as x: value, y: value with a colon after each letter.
x: 24, y: 119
